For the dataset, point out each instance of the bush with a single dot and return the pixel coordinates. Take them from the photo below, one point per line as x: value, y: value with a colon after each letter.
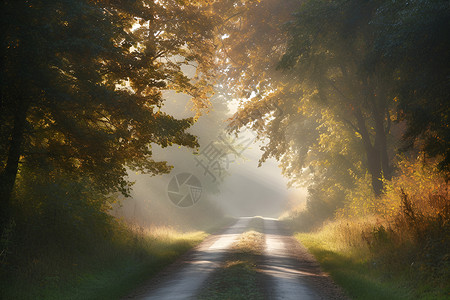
x: 405, y: 233
x: 413, y: 228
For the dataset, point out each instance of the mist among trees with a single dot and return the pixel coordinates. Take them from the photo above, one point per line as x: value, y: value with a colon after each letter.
x: 350, y: 97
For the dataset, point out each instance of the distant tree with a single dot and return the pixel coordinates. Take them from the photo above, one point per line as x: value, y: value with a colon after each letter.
x: 81, y: 86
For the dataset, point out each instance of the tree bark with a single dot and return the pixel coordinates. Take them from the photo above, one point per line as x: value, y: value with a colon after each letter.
x: 379, y: 114
x: 376, y: 152
x: 372, y: 154
x: 9, y: 174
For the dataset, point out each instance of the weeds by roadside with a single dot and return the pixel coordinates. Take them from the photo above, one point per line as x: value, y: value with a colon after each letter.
x: 107, y: 269
x: 393, y: 247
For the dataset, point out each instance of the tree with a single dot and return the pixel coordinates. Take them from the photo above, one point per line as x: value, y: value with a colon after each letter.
x: 414, y: 42
x: 327, y: 77
x: 350, y: 66
x: 81, y: 86
x: 330, y: 48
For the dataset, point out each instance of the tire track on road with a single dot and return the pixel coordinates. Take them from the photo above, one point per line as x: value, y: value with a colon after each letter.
x: 293, y: 272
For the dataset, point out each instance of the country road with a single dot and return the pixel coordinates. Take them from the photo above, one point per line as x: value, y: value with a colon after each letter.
x: 291, y: 271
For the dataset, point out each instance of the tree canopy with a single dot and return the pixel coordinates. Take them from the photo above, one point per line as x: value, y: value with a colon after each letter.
x: 355, y: 82
x: 81, y: 86
x: 334, y: 89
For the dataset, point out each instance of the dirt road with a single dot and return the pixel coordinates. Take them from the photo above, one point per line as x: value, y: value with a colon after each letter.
x: 291, y: 271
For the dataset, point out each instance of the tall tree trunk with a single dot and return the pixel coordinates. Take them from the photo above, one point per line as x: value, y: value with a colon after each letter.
x: 374, y: 166
x: 381, y: 136
x: 376, y: 152
x: 372, y: 154
x: 9, y: 174
x: 381, y: 131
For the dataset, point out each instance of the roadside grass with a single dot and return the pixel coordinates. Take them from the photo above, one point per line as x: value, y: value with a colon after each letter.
x: 396, y: 246
x: 238, y: 278
x: 341, y: 250
x: 106, y: 268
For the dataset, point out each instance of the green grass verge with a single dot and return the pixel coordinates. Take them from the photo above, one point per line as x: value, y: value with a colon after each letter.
x: 359, y: 275
x: 106, y: 269
x: 120, y: 270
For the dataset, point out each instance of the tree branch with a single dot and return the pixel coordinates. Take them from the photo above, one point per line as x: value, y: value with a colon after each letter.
x: 352, y: 125
x: 388, y: 125
x: 338, y: 90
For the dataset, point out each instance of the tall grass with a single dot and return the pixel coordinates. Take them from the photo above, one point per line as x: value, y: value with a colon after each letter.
x: 107, y: 268
x: 396, y: 246
x: 341, y: 252
x: 63, y: 243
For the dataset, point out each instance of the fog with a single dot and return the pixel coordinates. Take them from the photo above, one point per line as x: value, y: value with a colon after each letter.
x: 235, y: 186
